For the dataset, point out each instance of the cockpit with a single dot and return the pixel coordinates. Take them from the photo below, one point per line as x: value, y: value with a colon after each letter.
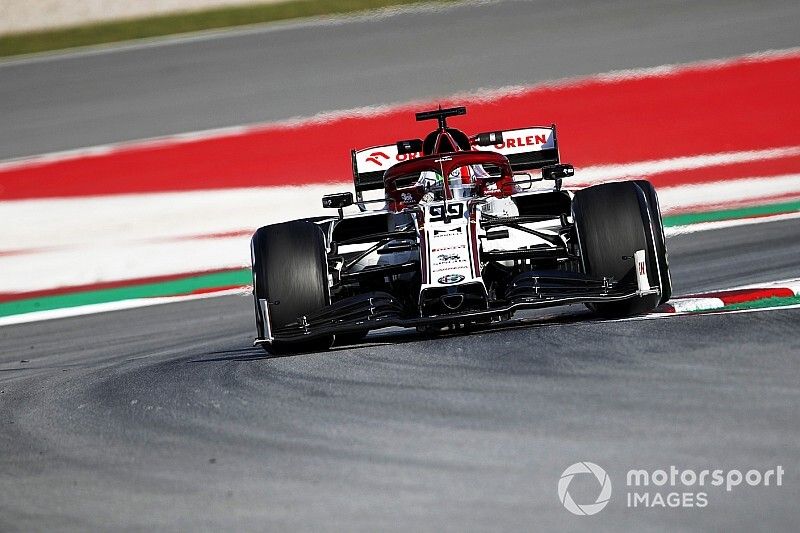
x: 462, y: 182
x: 468, y: 175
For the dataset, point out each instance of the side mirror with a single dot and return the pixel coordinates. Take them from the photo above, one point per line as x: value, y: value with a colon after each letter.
x: 557, y: 172
x: 338, y: 200
x: 411, y: 146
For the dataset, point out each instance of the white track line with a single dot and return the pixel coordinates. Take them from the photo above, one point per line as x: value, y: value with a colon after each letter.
x: 689, y: 305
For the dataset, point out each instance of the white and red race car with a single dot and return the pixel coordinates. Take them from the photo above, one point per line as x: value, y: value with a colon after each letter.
x: 464, y: 230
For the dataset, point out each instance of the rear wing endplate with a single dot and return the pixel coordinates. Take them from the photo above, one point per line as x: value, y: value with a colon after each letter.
x: 369, y: 164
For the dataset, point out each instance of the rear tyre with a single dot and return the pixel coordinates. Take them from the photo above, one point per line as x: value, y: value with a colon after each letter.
x: 613, y: 221
x: 660, y: 240
x: 290, y: 272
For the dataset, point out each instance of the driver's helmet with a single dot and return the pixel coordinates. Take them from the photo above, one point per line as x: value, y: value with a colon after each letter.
x: 462, y: 181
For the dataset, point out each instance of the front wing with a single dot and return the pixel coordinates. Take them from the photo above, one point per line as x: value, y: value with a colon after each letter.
x: 380, y: 310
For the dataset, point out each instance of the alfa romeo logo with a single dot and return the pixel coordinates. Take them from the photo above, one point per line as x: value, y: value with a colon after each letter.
x: 584, y: 467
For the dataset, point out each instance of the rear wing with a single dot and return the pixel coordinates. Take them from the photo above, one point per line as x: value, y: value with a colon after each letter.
x: 525, y: 148
x: 369, y: 164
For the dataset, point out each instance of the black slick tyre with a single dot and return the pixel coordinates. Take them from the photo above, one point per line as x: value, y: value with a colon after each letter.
x: 612, y: 222
x: 290, y: 272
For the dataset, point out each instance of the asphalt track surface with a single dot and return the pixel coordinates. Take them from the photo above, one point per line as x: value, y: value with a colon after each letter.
x: 166, y: 418
x: 271, y: 74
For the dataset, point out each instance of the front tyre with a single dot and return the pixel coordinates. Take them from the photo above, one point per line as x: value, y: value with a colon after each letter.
x: 290, y: 273
x: 613, y: 221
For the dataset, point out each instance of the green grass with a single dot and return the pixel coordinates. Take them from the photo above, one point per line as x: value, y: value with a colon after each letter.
x: 110, y: 32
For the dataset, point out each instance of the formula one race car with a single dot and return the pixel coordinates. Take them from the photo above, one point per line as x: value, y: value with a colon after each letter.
x: 464, y: 230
